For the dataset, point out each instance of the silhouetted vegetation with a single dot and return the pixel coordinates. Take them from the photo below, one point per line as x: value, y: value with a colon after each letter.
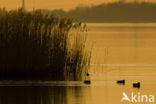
x: 41, y: 47
x: 113, y: 12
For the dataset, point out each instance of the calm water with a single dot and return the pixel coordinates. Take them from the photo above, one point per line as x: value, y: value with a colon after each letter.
x: 120, y: 51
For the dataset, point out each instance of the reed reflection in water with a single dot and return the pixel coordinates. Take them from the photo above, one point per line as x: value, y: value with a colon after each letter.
x: 33, y: 95
x: 44, y: 94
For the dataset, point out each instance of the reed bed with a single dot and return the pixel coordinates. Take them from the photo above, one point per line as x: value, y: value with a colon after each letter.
x: 34, y: 46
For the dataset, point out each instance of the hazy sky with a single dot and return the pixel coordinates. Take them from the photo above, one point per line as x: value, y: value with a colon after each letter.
x: 52, y: 4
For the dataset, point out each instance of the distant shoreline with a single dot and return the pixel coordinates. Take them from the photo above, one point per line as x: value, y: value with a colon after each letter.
x: 116, y: 12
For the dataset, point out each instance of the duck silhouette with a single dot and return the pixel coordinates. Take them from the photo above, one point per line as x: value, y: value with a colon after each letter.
x: 87, y: 74
x: 87, y: 81
x: 136, y: 85
x: 121, y: 82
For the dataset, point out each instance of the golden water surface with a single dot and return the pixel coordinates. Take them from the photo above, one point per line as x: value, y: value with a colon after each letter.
x: 120, y: 51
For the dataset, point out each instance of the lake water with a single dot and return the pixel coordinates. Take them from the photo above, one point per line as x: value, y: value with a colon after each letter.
x: 120, y: 51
